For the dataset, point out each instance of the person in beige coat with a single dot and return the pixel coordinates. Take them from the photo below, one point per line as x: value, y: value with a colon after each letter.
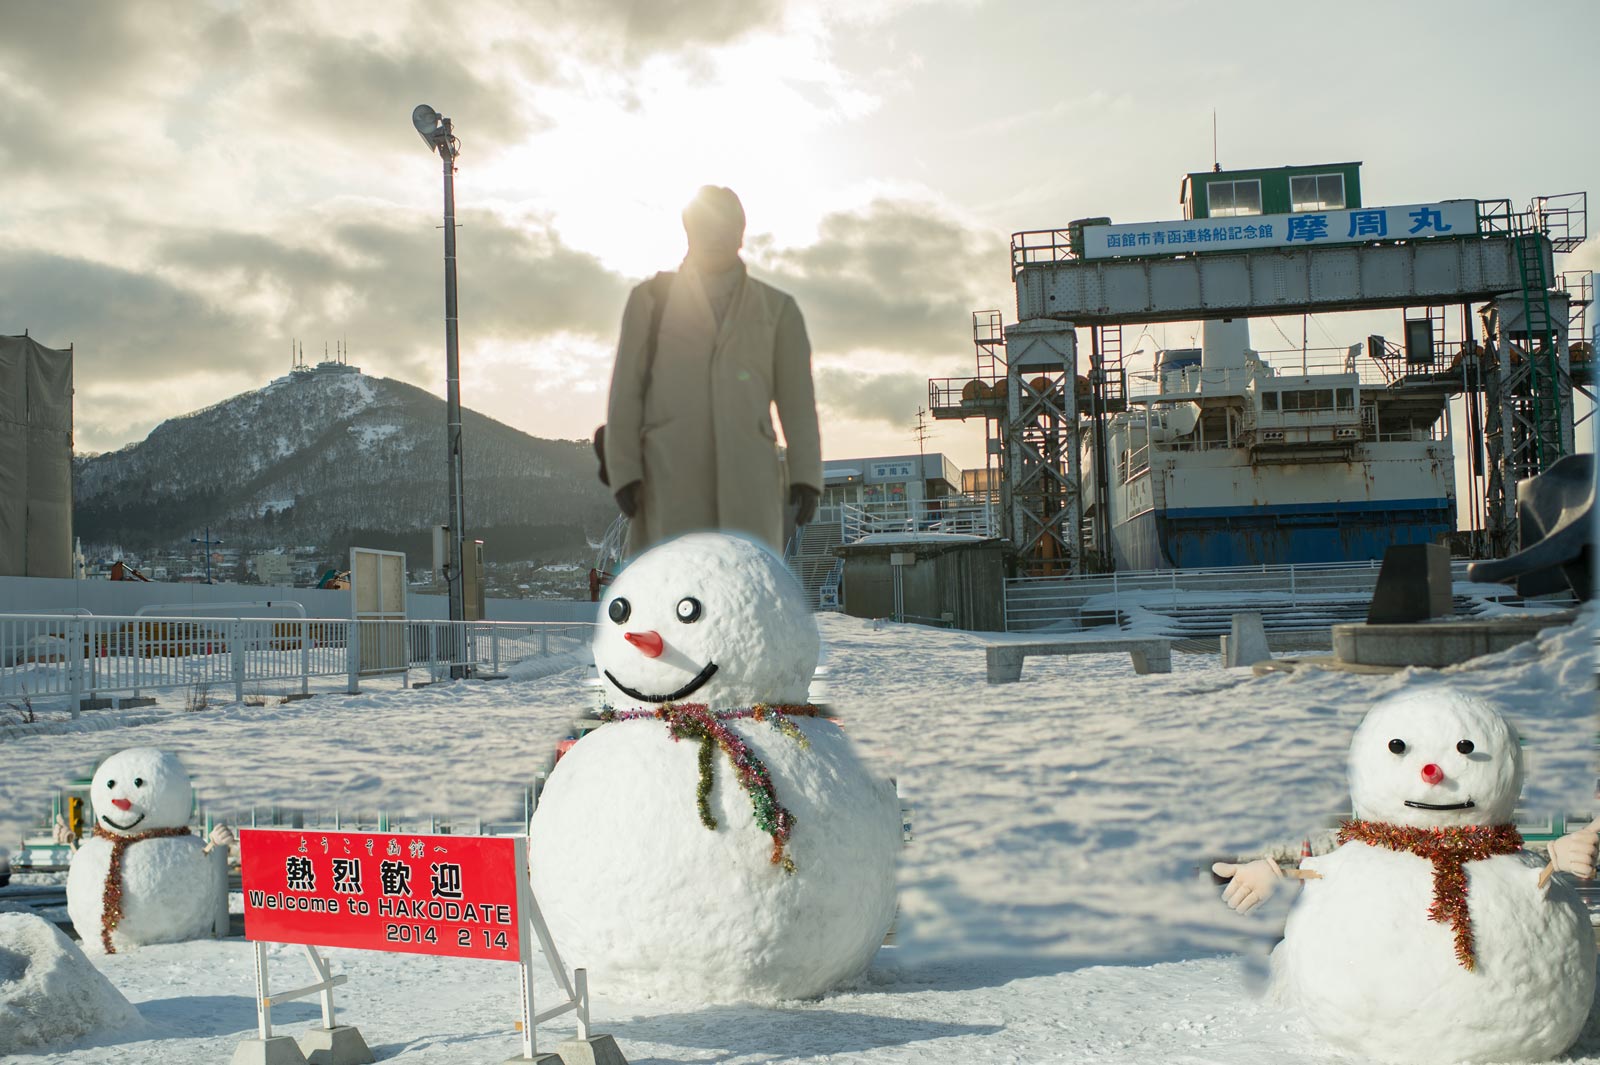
x: 689, y: 441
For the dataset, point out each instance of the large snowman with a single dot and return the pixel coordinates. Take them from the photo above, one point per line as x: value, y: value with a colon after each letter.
x: 143, y: 877
x: 717, y: 841
x: 1430, y: 935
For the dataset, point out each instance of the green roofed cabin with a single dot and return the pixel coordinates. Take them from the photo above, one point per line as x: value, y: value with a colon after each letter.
x: 1275, y: 190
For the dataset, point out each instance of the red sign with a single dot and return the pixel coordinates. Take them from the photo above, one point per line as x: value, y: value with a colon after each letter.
x: 452, y: 895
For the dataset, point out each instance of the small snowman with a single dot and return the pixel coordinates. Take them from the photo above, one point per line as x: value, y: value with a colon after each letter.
x: 717, y: 841
x: 1430, y: 935
x: 143, y: 877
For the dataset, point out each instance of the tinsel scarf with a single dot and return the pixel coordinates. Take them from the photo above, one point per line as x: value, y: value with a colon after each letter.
x: 111, y: 893
x: 697, y: 721
x: 1449, y: 849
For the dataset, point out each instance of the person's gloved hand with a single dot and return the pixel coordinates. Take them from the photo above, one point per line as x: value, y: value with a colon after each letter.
x: 804, y: 499
x: 1576, y: 852
x: 1250, y: 885
x: 628, y: 498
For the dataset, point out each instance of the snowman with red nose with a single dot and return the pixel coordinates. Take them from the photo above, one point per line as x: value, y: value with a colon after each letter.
x: 717, y: 840
x: 1430, y: 935
x: 143, y: 877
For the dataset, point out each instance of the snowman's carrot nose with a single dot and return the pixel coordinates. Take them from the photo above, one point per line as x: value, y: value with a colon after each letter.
x: 122, y: 804
x: 1432, y: 774
x: 650, y: 644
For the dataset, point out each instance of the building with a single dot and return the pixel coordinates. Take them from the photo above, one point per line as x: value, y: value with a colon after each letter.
x: 35, y: 459
x: 888, y: 482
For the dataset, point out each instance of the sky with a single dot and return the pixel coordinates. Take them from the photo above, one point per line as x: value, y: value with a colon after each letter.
x: 192, y: 186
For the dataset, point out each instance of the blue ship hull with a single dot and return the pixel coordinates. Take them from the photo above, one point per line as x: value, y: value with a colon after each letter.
x: 1199, y: 537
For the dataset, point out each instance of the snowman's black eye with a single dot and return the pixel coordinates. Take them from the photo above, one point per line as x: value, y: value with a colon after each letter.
x: 689, y: 610
x: 110, y: 784
x: 619, y: 610
x: 1465, y: 746
x: 1397, y: 746
x: 138, y: 782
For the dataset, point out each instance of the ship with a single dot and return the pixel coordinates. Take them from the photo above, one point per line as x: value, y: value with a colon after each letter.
x: 1226, y: 460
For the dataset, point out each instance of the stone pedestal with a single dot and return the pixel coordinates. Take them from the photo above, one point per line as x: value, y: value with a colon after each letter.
x: 339, y: 1045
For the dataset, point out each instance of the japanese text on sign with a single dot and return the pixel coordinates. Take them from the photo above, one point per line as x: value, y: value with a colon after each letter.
x: 451, y: 895
x: 1450, y: 218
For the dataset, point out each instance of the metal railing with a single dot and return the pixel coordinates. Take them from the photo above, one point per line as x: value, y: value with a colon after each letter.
x: 81, y: 658
x: 926, y: 515
x: 1037, y: 602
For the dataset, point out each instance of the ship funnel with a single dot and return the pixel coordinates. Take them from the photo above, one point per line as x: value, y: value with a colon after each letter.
x: 1224, y: 344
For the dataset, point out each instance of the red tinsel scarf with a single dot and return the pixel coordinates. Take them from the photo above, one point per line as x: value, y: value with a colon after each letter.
x: 111, y: 894
x: 1449, y: 849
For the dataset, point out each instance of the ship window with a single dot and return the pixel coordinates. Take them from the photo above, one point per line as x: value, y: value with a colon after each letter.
x: 1227, y: 198
x: 1269, y: 401
x: 1347, y: 399
x: 1316, y: 192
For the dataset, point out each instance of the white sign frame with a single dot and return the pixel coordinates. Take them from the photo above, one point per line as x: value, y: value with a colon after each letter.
x: 1303, y: 229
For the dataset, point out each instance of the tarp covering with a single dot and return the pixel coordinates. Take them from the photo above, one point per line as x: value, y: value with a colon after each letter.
x: 35, y: 459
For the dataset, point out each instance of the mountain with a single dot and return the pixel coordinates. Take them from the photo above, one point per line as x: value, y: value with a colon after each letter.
x: 332, y: 457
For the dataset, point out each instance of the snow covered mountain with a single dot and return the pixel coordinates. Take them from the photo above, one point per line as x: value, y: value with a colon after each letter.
x: 327, y: 458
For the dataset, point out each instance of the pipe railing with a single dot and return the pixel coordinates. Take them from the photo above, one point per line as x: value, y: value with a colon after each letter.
x: 83, y: 658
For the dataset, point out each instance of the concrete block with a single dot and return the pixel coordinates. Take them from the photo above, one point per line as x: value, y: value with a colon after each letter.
x: 1004, y: 665
x: 339, y: 1045
x: 1247, y: 642
x: 1436, y: 644
x: 596, y: 1050
x: 95, y: 703
x: 1413, y: 585
x: 1152, y: 660
x: 537, y: 1059
x: 128, y: 702
x: 1223, y: 647
x: 279, y: 1050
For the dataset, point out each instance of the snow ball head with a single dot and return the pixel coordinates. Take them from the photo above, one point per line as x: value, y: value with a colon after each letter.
x: 140, y: 789
x: 1435, y: 757
x: 706, y: 618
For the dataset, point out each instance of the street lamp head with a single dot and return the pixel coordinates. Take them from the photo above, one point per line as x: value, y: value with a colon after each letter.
x: 428, y: 123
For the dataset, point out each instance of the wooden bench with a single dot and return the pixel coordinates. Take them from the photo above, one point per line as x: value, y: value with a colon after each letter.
x: 1150, y: 654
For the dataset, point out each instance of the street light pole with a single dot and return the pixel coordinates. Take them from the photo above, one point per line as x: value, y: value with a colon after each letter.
x: 436, y: 132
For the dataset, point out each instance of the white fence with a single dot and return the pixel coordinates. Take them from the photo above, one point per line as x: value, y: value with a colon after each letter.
x: 1037, y: 602
x: 85, y: 657
x: 925, y: 515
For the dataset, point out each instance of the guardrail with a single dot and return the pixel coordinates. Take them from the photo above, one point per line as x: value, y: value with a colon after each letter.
x: 90, y: 657
x: 1037, y: 602
x: 926, y: 515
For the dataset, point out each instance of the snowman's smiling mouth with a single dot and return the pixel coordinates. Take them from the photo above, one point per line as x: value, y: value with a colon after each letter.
x: 122, y: 828
x: 1467, y: 805
x: 689, y: 688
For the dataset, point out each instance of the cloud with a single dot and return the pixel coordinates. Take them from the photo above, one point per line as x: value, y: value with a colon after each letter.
x: 891, y: 398
x: 894, y: 276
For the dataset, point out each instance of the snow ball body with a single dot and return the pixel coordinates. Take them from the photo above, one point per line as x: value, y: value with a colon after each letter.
x: 171, y: 888
x: 50, y: 993
x: 1360, y: 958
x: 634, y: 887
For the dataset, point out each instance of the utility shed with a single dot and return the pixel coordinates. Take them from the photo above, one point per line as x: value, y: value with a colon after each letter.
x: 35, y: 459
x: 928, y: 578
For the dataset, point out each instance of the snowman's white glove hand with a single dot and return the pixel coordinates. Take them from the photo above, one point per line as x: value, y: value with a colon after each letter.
x: 62, y: 834
x: 221, y: 836
x: 1250, y: 884
x: 1576, y: 852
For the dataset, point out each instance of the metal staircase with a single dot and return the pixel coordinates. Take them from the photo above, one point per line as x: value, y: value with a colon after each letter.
x: 812, y: 561
x: 1544, y: 381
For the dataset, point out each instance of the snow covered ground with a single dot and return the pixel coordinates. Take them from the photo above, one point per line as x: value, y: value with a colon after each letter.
x: 1051, y: 903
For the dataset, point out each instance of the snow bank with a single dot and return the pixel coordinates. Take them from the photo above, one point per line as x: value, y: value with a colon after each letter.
x: 50, y: 993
